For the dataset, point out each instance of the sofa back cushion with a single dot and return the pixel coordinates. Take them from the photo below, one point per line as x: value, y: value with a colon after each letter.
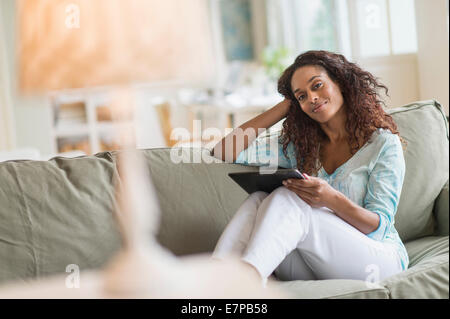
x: 196, y: 196
x: 424, y: 127
x: 56, y: 213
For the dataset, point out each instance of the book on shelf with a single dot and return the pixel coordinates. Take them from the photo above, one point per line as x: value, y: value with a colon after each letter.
x: 70, y: 113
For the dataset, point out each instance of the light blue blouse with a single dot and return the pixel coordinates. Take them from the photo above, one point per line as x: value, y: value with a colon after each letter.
x: 372, y: 177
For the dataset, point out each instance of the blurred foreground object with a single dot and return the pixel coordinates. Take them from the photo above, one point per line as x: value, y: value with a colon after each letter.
x: 88, y: 43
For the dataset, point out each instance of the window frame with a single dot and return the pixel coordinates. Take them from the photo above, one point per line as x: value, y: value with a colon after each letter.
x: 354, y: 34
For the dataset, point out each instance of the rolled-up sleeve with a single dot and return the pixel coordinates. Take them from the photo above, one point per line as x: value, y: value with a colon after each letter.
x: 385, y: 186
x: 268, y: 151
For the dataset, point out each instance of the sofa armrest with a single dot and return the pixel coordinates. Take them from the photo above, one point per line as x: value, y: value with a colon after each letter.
x: 441, y: 212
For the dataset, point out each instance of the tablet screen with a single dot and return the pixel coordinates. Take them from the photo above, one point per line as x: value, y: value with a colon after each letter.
x: 254, y: 181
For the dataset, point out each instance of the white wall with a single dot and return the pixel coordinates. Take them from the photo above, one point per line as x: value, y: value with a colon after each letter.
x: 433, y: 55
x: 7, y: 134
x: 399, y: 73
x: 31, y: 115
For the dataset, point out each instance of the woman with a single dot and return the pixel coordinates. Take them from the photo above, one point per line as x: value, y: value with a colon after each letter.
x: 339, y: 222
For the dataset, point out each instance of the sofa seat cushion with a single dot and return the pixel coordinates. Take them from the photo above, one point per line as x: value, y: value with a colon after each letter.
x: 426, y: 280
x: 427, y: 275
x: 427, y: 247
x: 331, y: 289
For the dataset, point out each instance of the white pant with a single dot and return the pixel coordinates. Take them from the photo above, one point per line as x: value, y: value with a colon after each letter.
x: 282, y: 233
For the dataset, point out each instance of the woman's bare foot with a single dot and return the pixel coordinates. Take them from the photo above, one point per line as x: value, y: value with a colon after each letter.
x: 255, y: 273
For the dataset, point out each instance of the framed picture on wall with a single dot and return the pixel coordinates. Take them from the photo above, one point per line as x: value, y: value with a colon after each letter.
x: 237, y: 31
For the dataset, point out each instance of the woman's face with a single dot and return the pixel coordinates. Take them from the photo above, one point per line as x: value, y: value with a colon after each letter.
x: 319, y: 97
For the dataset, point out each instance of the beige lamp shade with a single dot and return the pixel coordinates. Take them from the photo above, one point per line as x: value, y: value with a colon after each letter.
x: 67, y: 44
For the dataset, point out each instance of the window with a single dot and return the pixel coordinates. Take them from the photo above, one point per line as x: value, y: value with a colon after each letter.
x: 384, y: 27
x: 316, y: 22
x: 373, y: 31
x: 302, y: 25
x: 363, y: 28
x: 403, y: 26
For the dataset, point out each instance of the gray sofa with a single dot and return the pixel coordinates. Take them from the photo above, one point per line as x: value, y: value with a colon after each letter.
x: 59, y: 212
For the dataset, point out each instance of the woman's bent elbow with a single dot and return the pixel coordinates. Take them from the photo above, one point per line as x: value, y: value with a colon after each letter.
x: 221, y: 153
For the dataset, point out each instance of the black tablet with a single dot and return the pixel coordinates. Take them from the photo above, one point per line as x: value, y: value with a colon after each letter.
x: 255, y: 181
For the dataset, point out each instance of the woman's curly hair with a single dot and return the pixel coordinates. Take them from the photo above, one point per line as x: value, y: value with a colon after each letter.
x: 361, y: 98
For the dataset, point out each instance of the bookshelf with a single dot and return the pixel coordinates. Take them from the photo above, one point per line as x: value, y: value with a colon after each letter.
x: 81, y: 121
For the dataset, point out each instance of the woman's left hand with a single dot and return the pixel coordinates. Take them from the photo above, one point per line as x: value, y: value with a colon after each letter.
x: 314, y: 191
